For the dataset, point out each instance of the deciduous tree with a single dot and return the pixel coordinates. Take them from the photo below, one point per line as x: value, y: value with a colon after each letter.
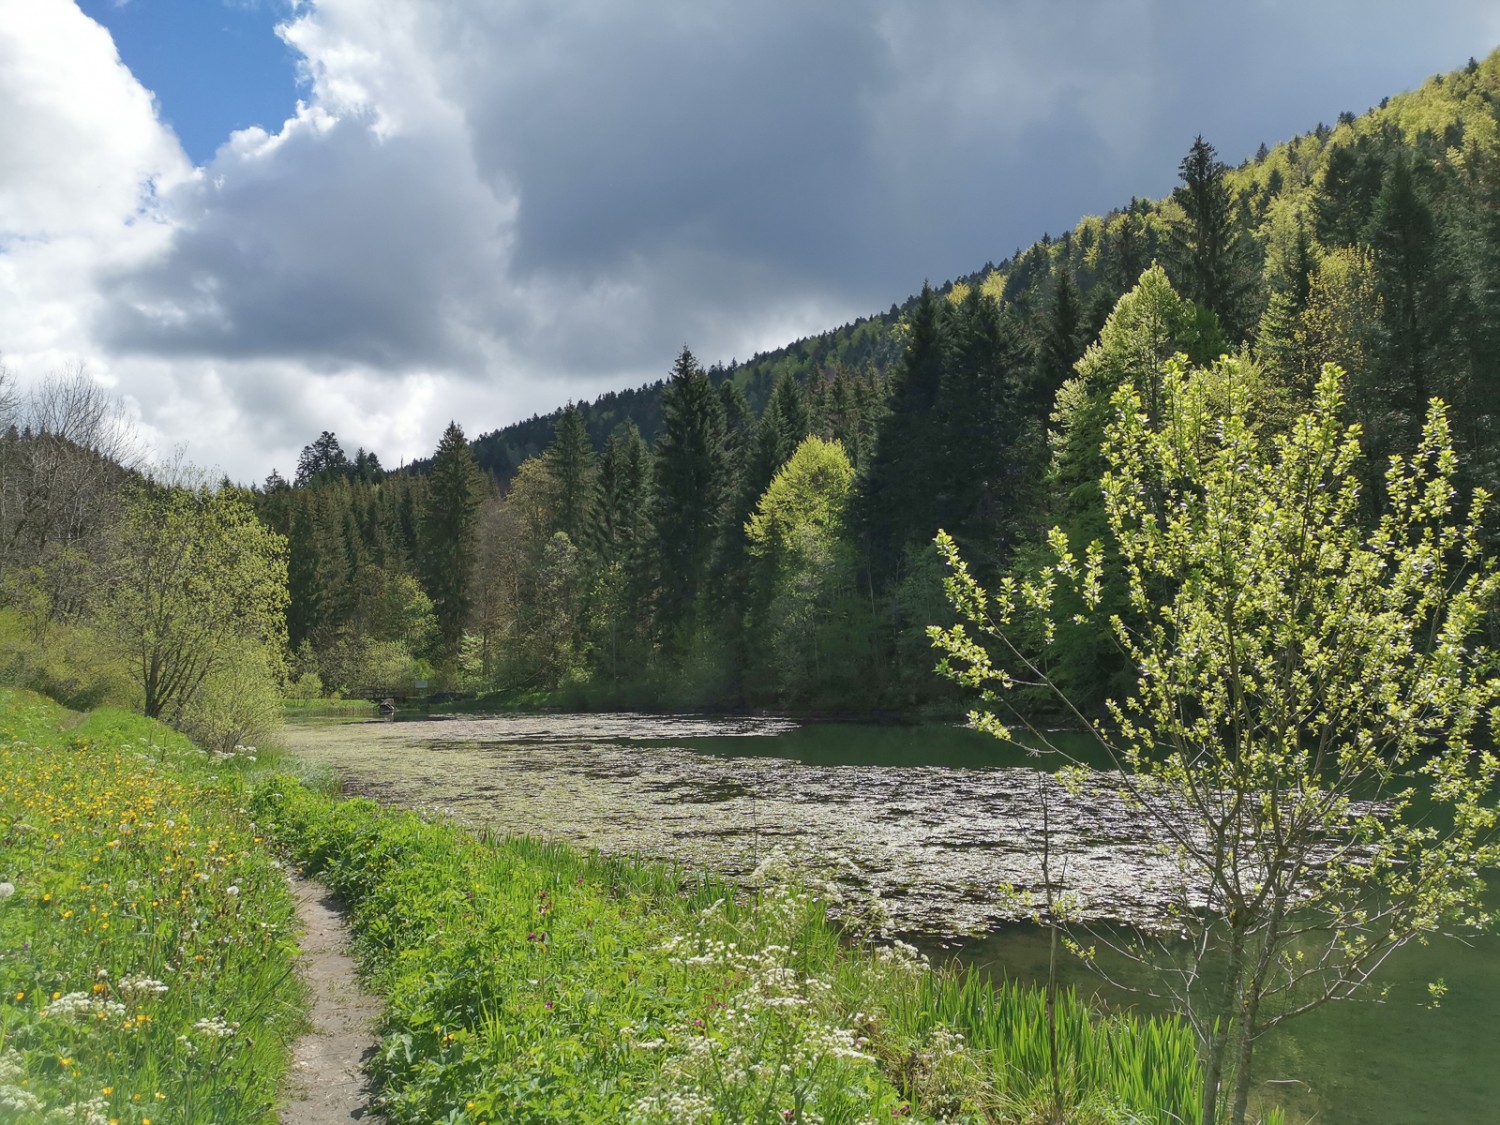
x: 1310, y: 729
x: 196, y: 576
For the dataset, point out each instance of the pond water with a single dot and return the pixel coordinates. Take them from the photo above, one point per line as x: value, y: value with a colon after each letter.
x: 933, y: 821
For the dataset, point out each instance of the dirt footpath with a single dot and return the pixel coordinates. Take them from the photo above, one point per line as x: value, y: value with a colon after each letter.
x: 327, y: 1082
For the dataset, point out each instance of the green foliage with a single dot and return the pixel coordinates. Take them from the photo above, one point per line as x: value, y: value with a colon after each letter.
x: 449, y: 528
x: 571, y: 460
x: 526, y: 981
x: 1211, y: 252
x: 1307, y: 729
x: 239, y: 703
x: 69, y: 662
x: 195, y: 571
x: 692, y: 478
x: 150, y: 939
x: 1374, y: 244
x: 805, y: 567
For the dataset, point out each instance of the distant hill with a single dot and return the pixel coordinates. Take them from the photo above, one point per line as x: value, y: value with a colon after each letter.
x: 1447, y: 126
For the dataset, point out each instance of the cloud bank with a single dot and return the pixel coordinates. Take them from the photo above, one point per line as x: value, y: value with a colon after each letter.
x: 479, y: 211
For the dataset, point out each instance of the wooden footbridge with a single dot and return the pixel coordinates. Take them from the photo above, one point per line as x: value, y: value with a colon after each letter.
x: 388, y: 697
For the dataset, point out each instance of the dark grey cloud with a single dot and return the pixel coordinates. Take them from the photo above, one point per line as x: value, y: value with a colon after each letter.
x: 485, y: 209
x: 329, y: 245
x: 676, y: 169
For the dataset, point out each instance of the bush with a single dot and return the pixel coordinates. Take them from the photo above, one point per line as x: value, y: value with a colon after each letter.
x: 238, y: 705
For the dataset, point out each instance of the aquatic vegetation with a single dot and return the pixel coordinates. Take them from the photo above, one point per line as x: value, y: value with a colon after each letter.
x: 530, y: 981
x: 933, y: 839
x: 146, y: 945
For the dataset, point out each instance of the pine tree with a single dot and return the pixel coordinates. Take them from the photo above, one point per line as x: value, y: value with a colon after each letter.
x: 449, y: 528
x: 324, y: 457
x: 893, y: 505
x: 1060, y: 342
x: 621, y: 511
x: 1289, y: 280
x: 1403, y: 233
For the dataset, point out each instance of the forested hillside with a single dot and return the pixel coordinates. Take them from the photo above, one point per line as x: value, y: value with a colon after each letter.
x: 760, y: 534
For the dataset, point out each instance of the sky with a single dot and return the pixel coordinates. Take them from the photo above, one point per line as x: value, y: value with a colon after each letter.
x: 255, y: 220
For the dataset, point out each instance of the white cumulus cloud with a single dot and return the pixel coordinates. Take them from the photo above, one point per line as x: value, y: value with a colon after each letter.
x: 481, y: 210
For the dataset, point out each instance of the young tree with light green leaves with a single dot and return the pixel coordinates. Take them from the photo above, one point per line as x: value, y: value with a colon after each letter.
x: 1310, y: 727
x: 802, y: 561
x: 197, y: 576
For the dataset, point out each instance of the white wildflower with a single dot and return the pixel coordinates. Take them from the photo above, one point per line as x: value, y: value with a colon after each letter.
x: 216, y: 1028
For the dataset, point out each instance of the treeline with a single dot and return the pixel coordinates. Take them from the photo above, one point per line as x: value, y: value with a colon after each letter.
x: 142, y: 586
x: 760, y: 534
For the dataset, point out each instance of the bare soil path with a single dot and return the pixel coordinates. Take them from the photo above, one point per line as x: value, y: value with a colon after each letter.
x: 327, y: 1082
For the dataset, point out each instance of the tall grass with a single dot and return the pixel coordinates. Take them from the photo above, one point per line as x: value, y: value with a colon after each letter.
x: 293, y: 708
x: 148, y: 936
x: 529, y: 982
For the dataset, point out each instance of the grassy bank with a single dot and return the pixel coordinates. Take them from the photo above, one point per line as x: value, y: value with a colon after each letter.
x: 363, y: 708
x: 147, y: 935
x: 528, y: 982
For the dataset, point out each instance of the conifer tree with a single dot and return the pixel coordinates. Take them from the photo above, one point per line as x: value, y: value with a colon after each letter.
x: 893, y: 505
x: 691, y: 478
x: 1060, y: 342
x: 1403, y: 233
x: 621, y: 516
x: 570, y: 457
x: 1210, y: 254
x: 449, y: 529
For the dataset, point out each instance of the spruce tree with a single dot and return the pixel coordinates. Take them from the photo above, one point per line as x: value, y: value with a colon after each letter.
x: 1060, y: 342
x: 571, y: 459
x: 893, y: 505
x: 449, y: 531
x: 1403, y: 232
x: 1211, y: 257
x: 691, y: 476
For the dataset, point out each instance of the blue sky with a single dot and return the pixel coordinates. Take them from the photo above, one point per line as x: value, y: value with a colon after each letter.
x: 214, y: 66
x: 271, y: 218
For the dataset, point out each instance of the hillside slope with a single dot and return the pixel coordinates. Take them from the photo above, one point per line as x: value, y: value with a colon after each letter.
x: 1446, y: 128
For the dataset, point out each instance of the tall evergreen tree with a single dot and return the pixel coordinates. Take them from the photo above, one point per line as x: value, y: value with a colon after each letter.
x: 893, y: 505
x: 1403, y: 232
x: 985, y: 430
x: 621, y: 511
x: 571, y: 460
x: 1350, y: 182
x: 323, y: 457
x: 691, y: 478
x: 1289, y: 277
x: 1060, y: 341
x: 449, y: 529
x: 1211, y: 256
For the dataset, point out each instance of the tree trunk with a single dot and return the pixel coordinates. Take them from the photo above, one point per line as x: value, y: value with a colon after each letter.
x: 1244, y: 1055
x: 1217, y: 1040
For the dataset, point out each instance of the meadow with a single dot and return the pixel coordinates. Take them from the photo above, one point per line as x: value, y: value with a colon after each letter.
x: 531, y: 982
x: 147, y: 947
x: 146, y: 933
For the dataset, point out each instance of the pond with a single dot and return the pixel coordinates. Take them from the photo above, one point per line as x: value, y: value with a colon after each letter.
x: 933, y: 821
